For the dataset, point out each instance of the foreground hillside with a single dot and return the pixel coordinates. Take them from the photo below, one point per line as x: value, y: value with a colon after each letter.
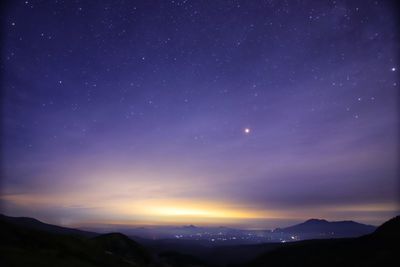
x: 22, y: 246
x: 377, y: 249
x: 28, y: 242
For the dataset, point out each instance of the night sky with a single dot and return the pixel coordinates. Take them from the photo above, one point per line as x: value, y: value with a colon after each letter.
x: 245, y: 113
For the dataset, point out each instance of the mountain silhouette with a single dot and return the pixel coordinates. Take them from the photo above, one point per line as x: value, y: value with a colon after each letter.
x: 325, y: 228
x: 122, y: 246
x: 31, y: 223
x: 389, y: 229
x: 29, y: 242
x: 379, y: 248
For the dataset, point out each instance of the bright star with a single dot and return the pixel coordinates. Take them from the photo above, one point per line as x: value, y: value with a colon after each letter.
x: 246, y: 130
x: 393, y: 69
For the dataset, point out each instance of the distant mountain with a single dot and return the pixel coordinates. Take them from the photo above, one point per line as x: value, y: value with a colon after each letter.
x: 379, y: 248
x: 324, y: 228
x: 31, y: 223
x: 191, y: 226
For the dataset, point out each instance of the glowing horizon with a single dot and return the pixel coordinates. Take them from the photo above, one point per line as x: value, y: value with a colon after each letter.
x: 147, y: 212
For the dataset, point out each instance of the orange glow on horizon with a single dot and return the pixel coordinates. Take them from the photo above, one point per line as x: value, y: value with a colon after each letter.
x: 164, y: 211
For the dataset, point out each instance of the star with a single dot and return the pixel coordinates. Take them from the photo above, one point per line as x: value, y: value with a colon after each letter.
x: 126, y: 97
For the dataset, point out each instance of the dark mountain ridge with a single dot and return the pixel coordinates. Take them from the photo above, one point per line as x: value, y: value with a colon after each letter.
x: 379, y: 248
x: 25, y: 242
x: 35, y: 224
x: 123, y: 246
x: 327, y: 228
x: 29, y: 242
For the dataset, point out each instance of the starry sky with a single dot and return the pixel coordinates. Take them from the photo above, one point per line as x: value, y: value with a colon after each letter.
x: 246, y: 113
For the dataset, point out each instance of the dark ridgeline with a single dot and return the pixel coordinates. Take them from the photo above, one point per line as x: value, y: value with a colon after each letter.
x: 123, y: 246
x: 29, y: 242
x: 324, y: 228
x: 377, y: 249
x: 34, y: 224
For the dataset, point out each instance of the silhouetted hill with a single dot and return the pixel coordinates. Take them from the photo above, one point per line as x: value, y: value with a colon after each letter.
x: 122, y: 246
x: 22, y: 243
x: 389, y: 230
x: 377, y: 249
x: 324, y: 228
x: 26, y: 246
x: 175, y: 259
x: 29, y: 242
x: 31, y: 223
x: 211, y: 255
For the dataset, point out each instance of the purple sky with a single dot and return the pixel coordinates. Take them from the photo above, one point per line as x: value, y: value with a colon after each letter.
x: 136, y: 111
